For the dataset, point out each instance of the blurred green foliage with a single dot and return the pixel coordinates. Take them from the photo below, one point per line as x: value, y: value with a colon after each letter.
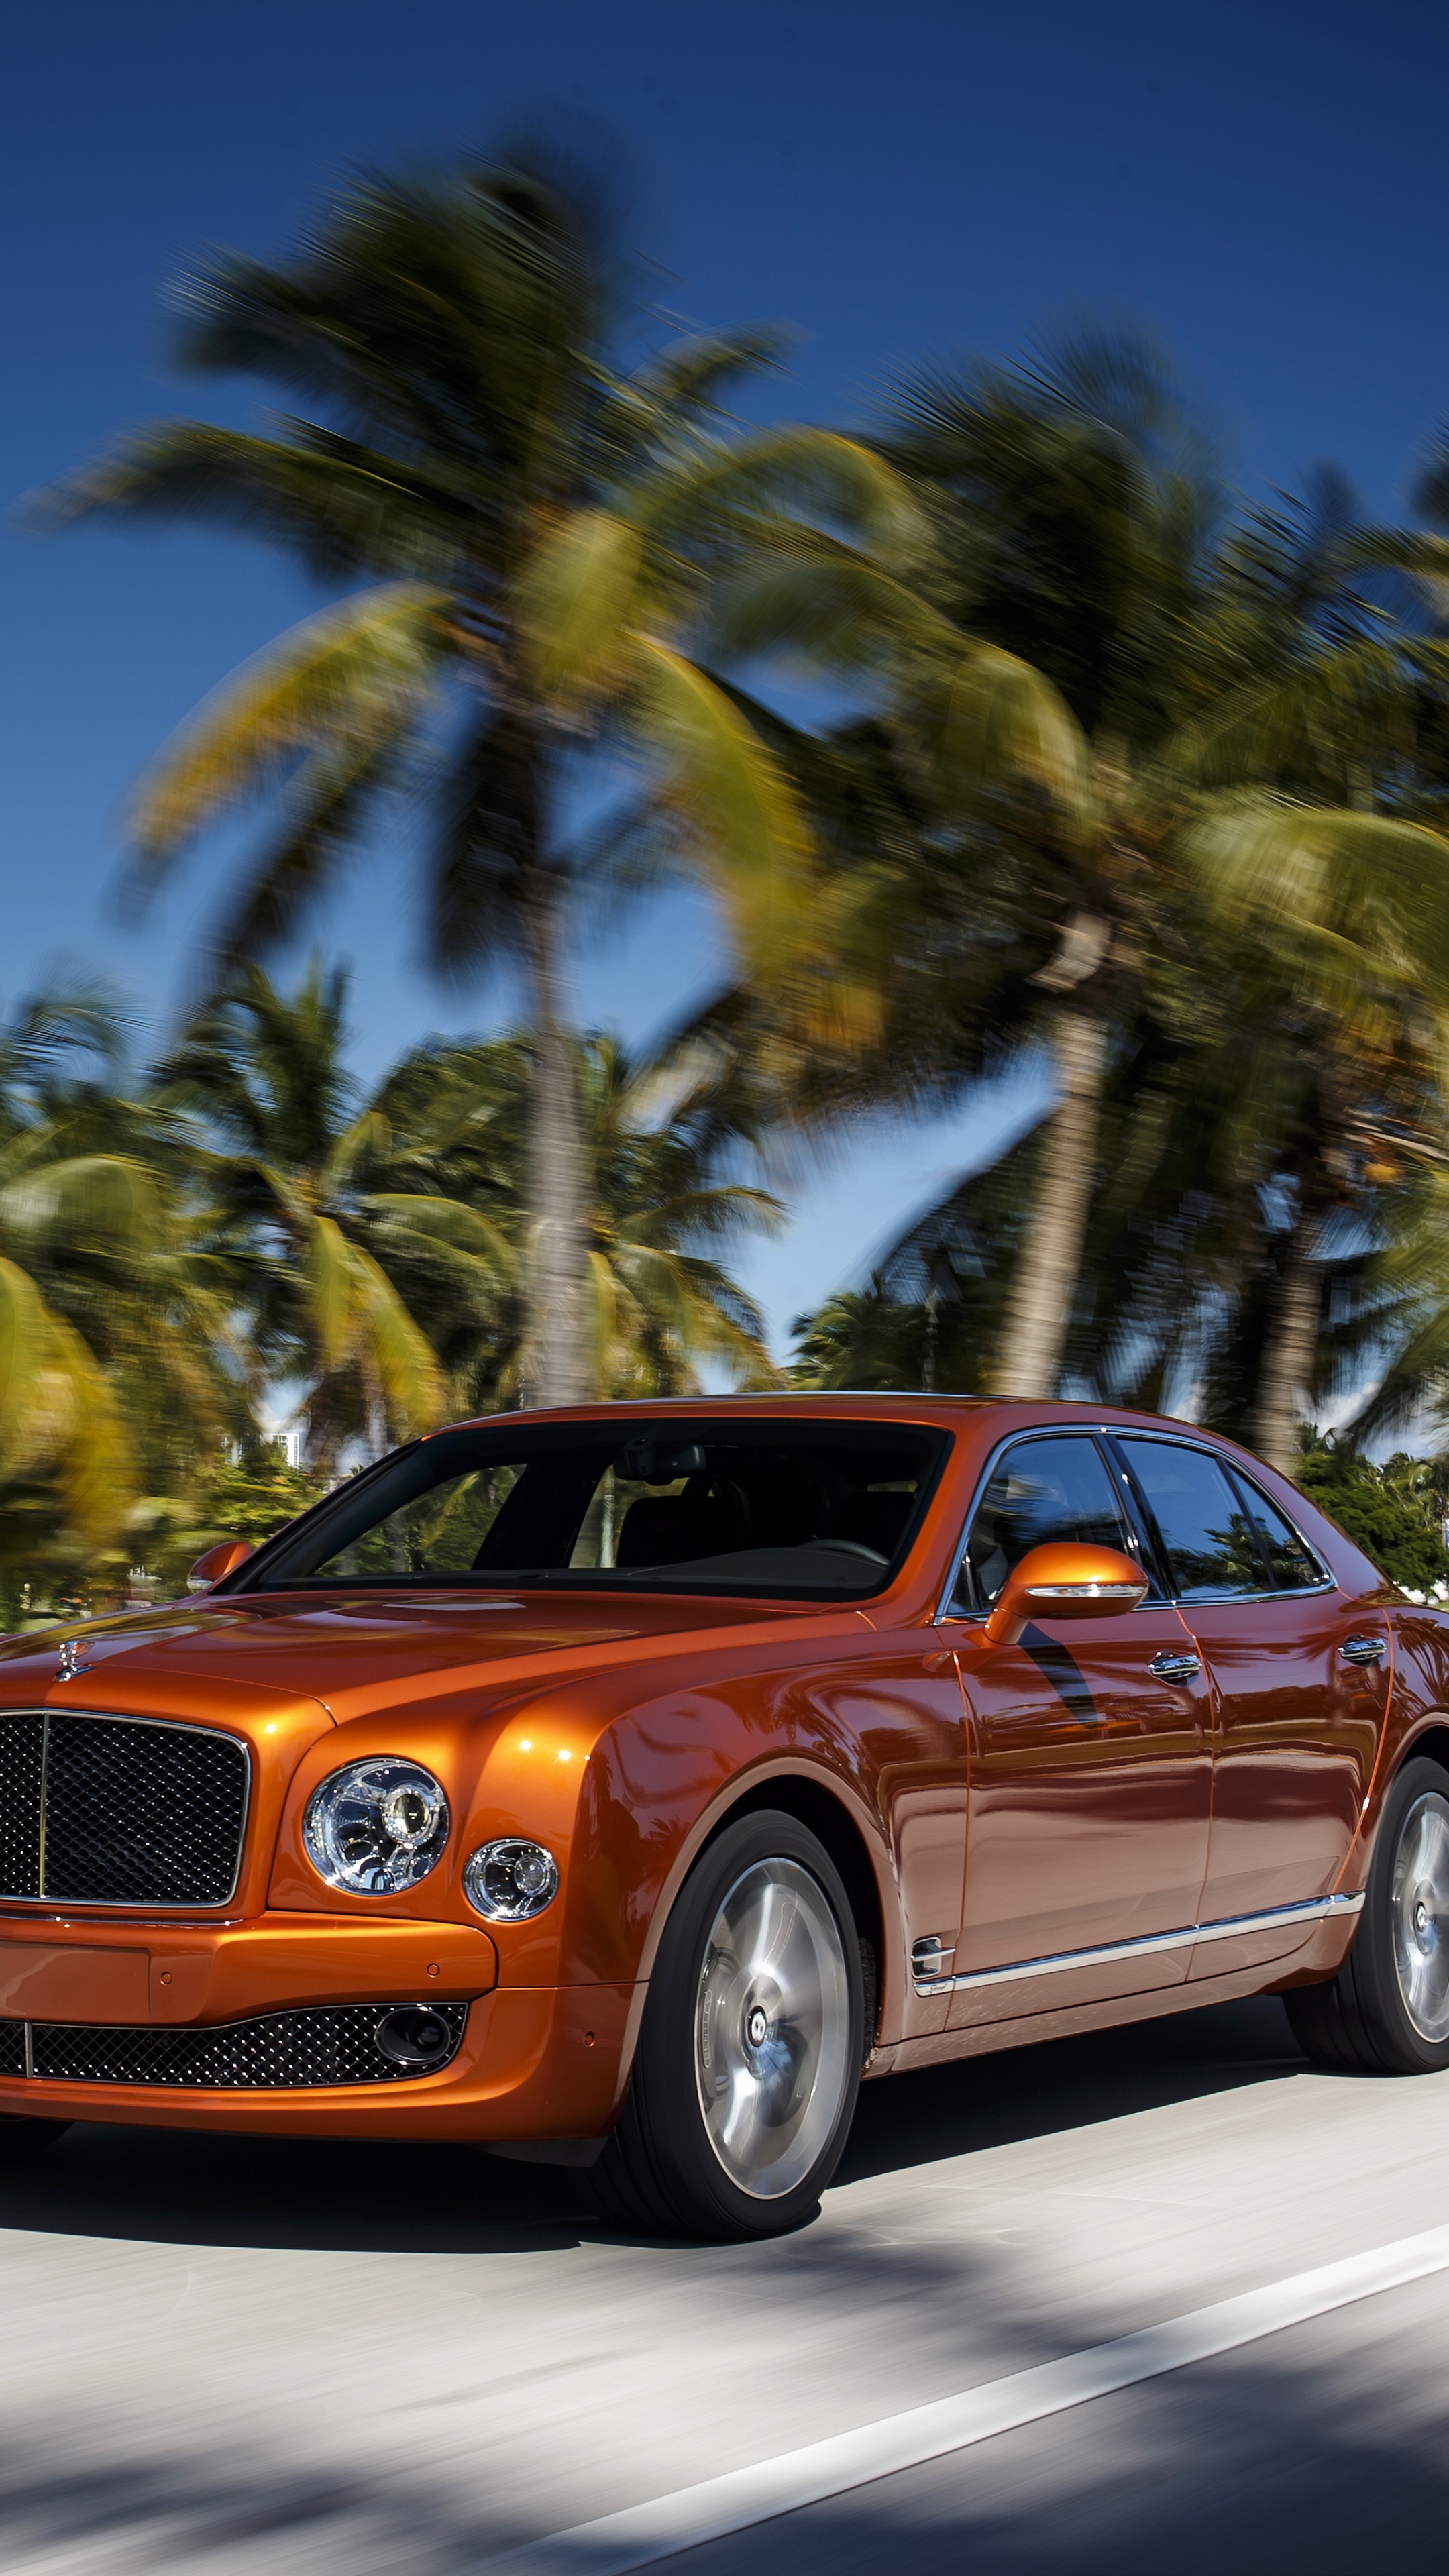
x: 270, y: 1229
x: 255, y: 1493
x: 1395, y: 1511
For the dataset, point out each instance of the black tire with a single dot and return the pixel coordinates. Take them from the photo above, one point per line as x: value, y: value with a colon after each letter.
x: 719, y: 2021
x: 1387, y: 2010
x: 21, y: 2136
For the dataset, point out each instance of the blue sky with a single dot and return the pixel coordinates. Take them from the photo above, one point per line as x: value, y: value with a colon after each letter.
x: 1262, y: 185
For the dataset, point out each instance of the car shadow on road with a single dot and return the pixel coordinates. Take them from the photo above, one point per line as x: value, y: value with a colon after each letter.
x: 1023, y: 2093
x: 189, y: 2187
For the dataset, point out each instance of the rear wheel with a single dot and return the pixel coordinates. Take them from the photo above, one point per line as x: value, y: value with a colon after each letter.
x: 1387, y: 2010
x: 25, y: 2137
x: 749, y: 2057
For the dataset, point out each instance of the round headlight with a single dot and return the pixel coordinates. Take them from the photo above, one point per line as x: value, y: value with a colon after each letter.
x: 377, y: 1827
x: 510, y: 1882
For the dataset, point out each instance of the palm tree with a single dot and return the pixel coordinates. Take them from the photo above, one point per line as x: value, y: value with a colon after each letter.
x: 1356, y: 907
x: 1021, y: 685
x: 1077, y: 703
x: 661, y: 1147
x: 534, y: 526
x: 660, y: 1139
x: 1327, y: 675
x: 285, y: 1154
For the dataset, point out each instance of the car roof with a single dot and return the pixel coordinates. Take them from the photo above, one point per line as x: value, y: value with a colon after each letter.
x: 852, y: 1404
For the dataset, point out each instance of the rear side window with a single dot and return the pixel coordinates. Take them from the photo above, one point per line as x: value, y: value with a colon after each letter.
x: 1041, y: 1490
x: 1212, y: 1547
x: 1291, y: 1566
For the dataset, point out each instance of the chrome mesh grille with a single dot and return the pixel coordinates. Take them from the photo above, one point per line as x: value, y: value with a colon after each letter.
x: 275, y: 2052
x: 21, y: 1743
x: 119, y: 1811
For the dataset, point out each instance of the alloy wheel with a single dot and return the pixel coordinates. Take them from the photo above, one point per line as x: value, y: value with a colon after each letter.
x: 772, y: 2028
x: 1420, y: 1913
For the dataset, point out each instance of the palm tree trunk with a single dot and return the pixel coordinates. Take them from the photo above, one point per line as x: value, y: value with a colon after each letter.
x: 1044, y: 1283
x: 555, y: 1370
x: 1289, y: 1352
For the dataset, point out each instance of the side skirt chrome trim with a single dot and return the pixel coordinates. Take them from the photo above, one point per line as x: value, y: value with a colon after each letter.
x: 1319, y: 1909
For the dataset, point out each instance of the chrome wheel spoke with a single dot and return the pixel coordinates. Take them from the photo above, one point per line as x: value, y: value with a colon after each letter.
x: 772, y: 2028
x: 1420, y: 1901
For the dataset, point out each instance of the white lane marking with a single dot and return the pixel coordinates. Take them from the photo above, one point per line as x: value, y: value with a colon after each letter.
x: 616, y: 2543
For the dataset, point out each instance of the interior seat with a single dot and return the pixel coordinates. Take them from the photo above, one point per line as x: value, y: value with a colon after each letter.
x: 708, y: 1518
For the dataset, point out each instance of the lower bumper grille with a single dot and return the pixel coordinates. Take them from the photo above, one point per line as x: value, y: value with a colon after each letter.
x: 275, y: 2052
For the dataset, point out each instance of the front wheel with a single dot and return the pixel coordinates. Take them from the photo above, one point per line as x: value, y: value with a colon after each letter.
x: 749, y: 2057
x: 1387, y: 2010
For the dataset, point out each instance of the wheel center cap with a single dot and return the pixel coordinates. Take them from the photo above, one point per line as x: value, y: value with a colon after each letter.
x: 757, y: 2026
x: 1421, y: 1916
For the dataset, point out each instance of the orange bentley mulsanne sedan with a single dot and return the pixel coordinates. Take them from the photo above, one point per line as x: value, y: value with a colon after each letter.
x: 617, y: 1787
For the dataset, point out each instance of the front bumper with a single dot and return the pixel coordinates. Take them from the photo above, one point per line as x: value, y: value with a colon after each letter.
x: 532, y: 2062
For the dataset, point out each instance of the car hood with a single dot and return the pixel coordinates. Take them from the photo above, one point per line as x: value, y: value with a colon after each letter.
x: 360, y: 1647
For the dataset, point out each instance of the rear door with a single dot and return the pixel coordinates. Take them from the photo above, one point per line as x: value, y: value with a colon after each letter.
x: 1300, y: 1676
x: 1091, y: 1768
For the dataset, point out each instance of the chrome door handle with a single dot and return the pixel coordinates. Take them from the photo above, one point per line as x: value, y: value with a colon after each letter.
x: 1363, y: 1650
x: 1170, y: 1667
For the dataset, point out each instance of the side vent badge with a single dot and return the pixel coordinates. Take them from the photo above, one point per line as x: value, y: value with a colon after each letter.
x: 930, y: 1961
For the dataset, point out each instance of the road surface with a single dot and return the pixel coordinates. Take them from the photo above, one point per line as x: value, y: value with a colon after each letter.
x: 253, y: 2358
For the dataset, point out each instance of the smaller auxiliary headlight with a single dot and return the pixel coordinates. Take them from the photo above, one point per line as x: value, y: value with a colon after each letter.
x: 509, y: 1882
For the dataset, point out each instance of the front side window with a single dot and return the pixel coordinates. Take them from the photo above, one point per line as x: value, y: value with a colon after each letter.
x: 1211, y: 1546
x: 807, y: 1511
x: 1041, y: 1490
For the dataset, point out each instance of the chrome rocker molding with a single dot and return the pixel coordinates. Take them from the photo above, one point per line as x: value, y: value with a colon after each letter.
x: 1319, y: 1909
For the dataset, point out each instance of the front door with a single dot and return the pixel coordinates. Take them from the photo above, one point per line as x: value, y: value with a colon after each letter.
x: 1297, y: 1719
x: 1090, y: 1762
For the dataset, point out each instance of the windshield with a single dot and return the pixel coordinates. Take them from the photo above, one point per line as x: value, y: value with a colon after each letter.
x: 807, y: 1511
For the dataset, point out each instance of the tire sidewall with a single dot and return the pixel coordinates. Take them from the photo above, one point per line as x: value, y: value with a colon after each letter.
x: 691, y: 2171
x: 1374, y: 1963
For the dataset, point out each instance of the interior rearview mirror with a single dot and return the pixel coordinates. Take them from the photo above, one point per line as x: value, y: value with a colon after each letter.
x: 659, y: 1462
x: 218, y: 1561
x: 1064, y: 1580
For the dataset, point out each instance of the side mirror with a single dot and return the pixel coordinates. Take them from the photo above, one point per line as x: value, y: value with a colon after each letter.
x: 1064, y: 1581
x: 218, y: 1561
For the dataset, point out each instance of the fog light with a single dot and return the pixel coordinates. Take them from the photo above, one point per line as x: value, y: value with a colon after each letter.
x: 414, y: 2036
x: 510, y: 1882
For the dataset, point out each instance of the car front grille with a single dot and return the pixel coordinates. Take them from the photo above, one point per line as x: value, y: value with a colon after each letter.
x: 275, y: 2052
x: 119, y: 1810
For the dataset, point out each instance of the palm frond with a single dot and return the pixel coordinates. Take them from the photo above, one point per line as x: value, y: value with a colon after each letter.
x: 745, y: 833
x: 573, y: 605
x: 816, y: 473
x: 1005, y: 725
x: 341, y: 506
x: 345, y: 677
